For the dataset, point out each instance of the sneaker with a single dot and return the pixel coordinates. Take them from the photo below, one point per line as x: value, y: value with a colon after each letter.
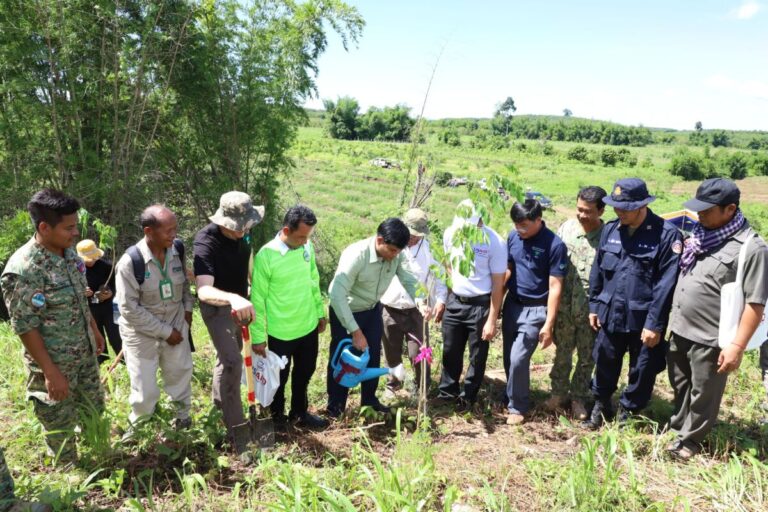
x: 578, y: 410
x: 600, y: 414
x: 30, y: 506
x: 312, y: 421
x: 515, y: 419
x: 554, y: 403
x: 684, y: 451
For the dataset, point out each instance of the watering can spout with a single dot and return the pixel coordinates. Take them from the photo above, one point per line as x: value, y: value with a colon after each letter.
x: 373, y: 373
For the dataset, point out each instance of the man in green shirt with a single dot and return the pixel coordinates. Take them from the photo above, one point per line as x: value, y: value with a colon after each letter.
x: 285, y: 291
x: 366, y: 268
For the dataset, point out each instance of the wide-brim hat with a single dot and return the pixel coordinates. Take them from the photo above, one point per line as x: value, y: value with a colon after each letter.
x: 236, y: 212
x: 88, y: 250
x: 415, y: 220
x: 629, y: 194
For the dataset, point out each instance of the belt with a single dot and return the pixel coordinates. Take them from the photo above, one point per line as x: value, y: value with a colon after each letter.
x: 479, y: 300
x: 531, y: 302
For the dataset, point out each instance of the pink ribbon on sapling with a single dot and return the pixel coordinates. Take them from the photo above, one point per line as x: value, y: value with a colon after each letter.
x: 424, y: 352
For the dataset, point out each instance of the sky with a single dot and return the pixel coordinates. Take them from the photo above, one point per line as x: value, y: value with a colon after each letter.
x: 654, y: 63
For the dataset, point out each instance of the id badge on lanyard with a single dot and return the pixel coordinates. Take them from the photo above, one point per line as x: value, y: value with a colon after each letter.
x: 165, y: 285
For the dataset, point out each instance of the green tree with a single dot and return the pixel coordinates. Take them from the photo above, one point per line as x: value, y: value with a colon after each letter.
x: 502, y: 117
x: 720, y: 139
x: 567, y: 112
x: 342, y: 118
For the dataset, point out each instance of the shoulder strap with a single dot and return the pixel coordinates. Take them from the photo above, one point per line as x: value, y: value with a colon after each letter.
x: 138, y: 263
x: 743, y: 256
x: 179, y: 245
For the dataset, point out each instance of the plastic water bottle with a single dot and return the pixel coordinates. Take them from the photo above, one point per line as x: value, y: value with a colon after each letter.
x: 115, y: 313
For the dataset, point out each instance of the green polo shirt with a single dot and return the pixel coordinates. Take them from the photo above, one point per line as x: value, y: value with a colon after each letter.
x: 361, y: 279
x: 285, y: 292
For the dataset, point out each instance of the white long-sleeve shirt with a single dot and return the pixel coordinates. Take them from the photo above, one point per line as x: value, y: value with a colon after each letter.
x: 419, y: 258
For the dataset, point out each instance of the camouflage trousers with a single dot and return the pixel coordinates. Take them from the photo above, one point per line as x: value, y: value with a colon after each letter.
x: 6, y: 485
x: 86, y: 397
x: 572, y: 333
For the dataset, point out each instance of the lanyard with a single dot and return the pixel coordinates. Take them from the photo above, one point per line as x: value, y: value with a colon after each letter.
x: 163, y: 268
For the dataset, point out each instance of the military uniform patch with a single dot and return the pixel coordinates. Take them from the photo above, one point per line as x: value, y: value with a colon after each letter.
x: 617, y: 191
x: 80, y: 266
x: 677, y: 247
x: 38, y: 299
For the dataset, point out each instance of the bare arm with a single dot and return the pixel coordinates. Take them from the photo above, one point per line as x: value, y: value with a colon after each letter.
x: 497, y: 294
x: 553, y: 303
x: 209, y: 294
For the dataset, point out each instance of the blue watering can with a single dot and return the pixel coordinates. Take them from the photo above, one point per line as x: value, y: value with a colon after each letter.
x: 349, y: 369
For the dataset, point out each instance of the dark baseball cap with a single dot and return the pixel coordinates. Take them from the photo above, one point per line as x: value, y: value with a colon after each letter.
x: 629, y: 194
x: 714, y: 192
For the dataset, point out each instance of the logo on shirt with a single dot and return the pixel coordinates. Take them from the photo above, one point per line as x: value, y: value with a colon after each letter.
x: 147, y: 274
x: 614, y: 241
x: 177, y: 269
x: 80, y: 266
x: 649, y: 247
x: 38, y: 299
x: 481, y: 251
x: 537, y: 252
x: 677, y: 247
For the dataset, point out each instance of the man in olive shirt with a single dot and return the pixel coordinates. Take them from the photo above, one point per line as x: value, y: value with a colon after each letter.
x: 366, y: 268
x: 698, y: 368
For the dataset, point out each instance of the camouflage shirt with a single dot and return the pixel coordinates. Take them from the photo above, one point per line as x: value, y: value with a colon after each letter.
x: 46, y: 292
x: 581, y: 254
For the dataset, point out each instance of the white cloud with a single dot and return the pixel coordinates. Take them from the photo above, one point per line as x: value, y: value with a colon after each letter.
x: 750, y: 88
x: 746, y: 10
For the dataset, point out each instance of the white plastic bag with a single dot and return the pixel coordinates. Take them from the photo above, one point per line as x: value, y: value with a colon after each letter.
x: 266, y: 376
x: 732, y: 307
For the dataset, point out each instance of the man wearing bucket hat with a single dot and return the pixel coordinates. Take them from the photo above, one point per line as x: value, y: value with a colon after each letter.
x: 221, y: 264
x: 698, y: 368
x: 100, y: 292
x: 630, y: 293
x: 403, y: 320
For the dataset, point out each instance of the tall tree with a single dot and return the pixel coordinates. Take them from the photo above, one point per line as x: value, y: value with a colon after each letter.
x: 502, y: 117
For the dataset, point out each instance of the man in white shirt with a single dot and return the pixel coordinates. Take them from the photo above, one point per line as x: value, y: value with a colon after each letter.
x: 403, y: 320
x: 473, y: 306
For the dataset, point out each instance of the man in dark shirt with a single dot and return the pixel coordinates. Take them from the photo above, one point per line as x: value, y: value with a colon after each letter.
x: 538, y: 262
x: 630, y: 293
x: 100, y: 291
x: 221, y: 264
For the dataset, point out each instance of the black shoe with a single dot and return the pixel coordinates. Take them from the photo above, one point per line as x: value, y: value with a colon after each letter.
x: 312, y: 421
x: 623, y: 416
x: 334, y: 412
x: 600, y: 414
x: 463, y: 404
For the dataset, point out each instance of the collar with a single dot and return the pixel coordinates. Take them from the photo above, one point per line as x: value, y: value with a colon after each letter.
x: 594, y: 234
x: 147, y: 254
x: 69, y: 253
x: 281, y: 247
x: 642, y: 228
x: 373, y: 257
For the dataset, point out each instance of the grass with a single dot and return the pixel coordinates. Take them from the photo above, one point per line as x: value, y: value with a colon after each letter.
x: 467, y: 461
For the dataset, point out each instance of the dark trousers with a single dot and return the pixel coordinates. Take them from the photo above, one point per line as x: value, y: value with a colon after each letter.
x: 644, y: 364
x: 398, y: 324
x: 105, y: 322
x: 371, y: 324
x: 520, y: 328
x: 462, y: 324
x: 698, y: 388
x: 302, y: 352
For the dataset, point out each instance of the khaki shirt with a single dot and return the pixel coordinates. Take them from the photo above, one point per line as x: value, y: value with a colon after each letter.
x: 143, y: 314
x: 696, y: 303
x: 361, y: 279
x: 45, y: 291
x: 581, y: 254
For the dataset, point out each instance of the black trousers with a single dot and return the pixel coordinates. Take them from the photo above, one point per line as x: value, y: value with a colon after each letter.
x: 644, y: 364
x: 302, y: 353
x: 105, y: 322
x: 371, y: 324
x: 462, y: 324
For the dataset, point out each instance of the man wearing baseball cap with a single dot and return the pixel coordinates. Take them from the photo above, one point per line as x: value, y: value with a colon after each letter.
x: 221, y: 265
x: 698, y: 368
x: 402, y: 319
x: 630, y: 292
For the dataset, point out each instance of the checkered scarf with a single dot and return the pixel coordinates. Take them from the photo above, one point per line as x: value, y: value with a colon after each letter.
x: 703, y: 239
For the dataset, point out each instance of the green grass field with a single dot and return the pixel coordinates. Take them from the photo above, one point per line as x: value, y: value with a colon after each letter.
x: 454, y: 462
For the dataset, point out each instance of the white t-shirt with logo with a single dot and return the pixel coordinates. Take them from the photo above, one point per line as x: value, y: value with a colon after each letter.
x: 490, y: 258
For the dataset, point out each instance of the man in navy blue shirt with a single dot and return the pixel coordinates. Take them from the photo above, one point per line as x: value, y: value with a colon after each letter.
x: 537, y: 263
x: 630, y: 294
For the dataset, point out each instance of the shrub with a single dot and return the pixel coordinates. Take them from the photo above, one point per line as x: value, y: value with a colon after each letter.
x: 578, y: 153
x: 609, y: 157
x: 760, y: 164
x: 720, y: 139
x: 442, y: 178
x: 735, y: 166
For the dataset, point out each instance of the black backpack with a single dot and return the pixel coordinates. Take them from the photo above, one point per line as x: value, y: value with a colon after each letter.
x: 139, y: 269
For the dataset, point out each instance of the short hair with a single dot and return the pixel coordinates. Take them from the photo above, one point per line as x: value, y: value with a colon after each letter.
x: 394, y: 232
x: 593, y: 194
x: 298, y: 214
x: 50, y: 206
x: 529, y: 210
x: 149, y: 217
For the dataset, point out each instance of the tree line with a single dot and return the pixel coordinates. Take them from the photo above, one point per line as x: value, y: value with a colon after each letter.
x: 344, y: 121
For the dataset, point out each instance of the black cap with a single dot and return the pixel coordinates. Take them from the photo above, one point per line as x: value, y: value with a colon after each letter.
x: 714, y: 192
x: 629, y: 194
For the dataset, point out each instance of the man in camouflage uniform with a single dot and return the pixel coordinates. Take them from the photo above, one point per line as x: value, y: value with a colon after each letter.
x: 44, y: 288
x: 572, y: 331
x: 8, y: 502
